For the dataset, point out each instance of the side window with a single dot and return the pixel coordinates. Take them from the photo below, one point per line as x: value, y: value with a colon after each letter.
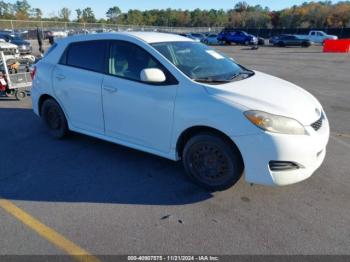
x: 89, y: 55
x: 128, y: 60
x: 312, y: 33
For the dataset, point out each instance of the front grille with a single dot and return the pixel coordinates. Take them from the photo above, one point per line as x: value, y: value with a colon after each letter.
x: 318, y: 124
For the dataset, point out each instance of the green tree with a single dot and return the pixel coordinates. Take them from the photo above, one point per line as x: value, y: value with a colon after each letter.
x: 134, y: 17
x: 113, y: 14
x: 22, y: 9
x: 36, y: 13
x: 65, y: 14
x: 7, y: 10
x: 88, y: 15
x: 79, y: 13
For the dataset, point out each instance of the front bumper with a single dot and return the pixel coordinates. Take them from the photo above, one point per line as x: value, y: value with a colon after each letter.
x: 308, y: 151
x: 25, y: 49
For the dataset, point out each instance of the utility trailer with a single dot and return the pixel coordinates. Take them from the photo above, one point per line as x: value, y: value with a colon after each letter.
x: 15, y: 77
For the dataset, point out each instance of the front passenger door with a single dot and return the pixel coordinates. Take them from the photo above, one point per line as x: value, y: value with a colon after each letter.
x: 137, y: 112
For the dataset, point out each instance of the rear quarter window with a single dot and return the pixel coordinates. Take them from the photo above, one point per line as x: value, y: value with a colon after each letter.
x: 89, y: 55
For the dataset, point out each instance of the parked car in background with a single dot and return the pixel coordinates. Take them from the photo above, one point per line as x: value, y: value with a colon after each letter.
x: 10, y: 50
x: 289, y: 40
x: 24, y: 47
x: 211, y: 39
x: 196, y: 36
x: 261, y: 41
x: 220, y: 118
x: 190, y: 37
x: 318, y: 36
x: 237, y: 37
x: 56, y: 33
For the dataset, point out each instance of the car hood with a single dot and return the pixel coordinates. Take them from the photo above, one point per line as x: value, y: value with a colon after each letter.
x: 20, y: 42
x: 7, y: 45
x: 334, y: 37
x: 270, y: 94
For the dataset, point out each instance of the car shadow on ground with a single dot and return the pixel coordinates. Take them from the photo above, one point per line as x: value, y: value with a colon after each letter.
x: 36, y: 167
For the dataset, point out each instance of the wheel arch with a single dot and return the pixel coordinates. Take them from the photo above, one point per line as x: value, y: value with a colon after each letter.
x: 190, y: 132
x: 43, y: 98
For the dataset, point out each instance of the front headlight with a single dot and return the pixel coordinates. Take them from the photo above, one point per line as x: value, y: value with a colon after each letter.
x: 275, y: 123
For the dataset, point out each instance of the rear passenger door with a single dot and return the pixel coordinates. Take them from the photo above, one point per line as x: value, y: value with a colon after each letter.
x: 77, y: 81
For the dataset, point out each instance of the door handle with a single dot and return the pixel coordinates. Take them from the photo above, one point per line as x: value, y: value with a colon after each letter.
x: 60, y: 77
x: 110, y: 89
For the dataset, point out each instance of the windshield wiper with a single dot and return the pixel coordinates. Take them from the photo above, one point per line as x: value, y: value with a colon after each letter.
x: 241, y: 73
x: 246, y: 73
x: 209, y: 80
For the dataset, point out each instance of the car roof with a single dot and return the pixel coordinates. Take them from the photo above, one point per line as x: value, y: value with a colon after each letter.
x: 148, y: 37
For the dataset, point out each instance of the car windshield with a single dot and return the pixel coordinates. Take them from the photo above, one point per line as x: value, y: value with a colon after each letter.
x: 201, y: 63
x: 16, y: 38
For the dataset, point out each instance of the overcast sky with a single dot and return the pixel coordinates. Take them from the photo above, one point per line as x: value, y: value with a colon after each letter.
x: 50, y: 7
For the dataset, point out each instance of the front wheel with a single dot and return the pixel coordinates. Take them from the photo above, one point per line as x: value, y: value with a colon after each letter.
x: 212, y: 162
x: 54, y: 119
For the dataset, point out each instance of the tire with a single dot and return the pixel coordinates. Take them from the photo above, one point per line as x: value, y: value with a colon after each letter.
x: 54, y: 119
x: 246, y: 43
x: 20, y: 94
x: 305, y: 44
x: 281, y: 44
x: 212, y: 162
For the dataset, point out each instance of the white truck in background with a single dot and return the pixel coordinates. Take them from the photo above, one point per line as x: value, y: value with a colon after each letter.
x: 318, y: 37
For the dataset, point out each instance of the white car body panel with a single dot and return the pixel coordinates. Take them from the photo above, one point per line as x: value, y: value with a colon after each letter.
x: 270, y: 98
x: 144, y: 117
x: 152, y: 118
x: 79, y: 93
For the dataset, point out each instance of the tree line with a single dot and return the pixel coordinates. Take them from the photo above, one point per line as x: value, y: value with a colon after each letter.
x: 306, y: 15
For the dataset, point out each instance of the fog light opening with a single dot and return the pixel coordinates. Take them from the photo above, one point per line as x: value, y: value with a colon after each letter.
x: 283, y: 165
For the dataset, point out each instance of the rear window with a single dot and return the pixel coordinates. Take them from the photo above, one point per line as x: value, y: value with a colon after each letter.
x: 89, y: 55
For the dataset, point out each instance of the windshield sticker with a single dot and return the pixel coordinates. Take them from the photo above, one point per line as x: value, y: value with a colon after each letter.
x: 215, y: 54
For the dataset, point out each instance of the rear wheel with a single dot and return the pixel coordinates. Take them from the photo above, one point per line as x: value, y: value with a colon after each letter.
x: 305, y: 44
x: 20, y: 94
x: 54, y: 118
x: 212, y: 162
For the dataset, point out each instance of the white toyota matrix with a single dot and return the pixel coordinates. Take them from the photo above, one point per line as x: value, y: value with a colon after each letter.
x: 170, y: 96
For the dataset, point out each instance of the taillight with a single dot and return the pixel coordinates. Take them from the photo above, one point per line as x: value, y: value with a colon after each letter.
x: 33, y: 72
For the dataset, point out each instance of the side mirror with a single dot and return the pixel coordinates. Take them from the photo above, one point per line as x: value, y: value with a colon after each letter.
x: 152, y: 75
